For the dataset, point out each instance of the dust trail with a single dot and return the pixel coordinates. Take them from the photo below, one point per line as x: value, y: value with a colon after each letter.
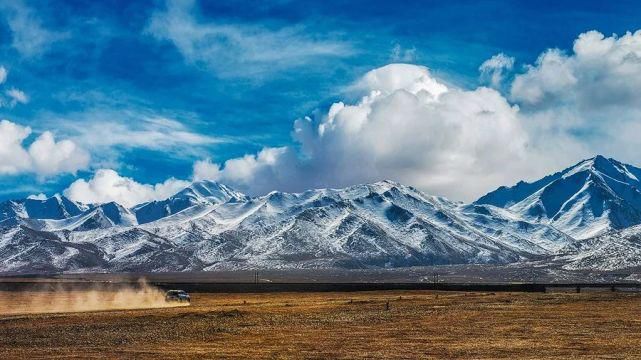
x: 99, y: 297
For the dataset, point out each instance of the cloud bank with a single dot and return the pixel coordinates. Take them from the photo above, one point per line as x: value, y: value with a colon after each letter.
x: 44, y: 156
x: 107, y: 185
x: 409, y: 126
x: 589, y: 96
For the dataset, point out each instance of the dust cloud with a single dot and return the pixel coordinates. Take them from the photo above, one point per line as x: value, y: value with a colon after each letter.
x: 99, y: 297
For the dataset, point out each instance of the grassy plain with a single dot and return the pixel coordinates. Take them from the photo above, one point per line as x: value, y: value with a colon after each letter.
x: 418, y: 324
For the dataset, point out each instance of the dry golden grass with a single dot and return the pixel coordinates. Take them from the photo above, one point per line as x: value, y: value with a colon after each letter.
x: 341, y: 325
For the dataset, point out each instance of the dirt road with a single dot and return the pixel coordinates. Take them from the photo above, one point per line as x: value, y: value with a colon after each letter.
x: 338, y: 325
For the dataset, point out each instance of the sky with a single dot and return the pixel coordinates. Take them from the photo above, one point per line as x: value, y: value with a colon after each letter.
x: 131, y: 100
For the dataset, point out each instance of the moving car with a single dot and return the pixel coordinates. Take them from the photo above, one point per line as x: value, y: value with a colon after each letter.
x: 177, y: 295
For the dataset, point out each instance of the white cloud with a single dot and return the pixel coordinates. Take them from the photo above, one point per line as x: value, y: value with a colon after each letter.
x: 589, y: 97
x: 409, y: 127
x: 391, y: 78
x: 493, y: 69
x: 17, y: 96
x: 107, y: 185
x: 50, y: 157
x: 44, y: 157
x: 257, y: 174
x: 13, y: 157
x: 29, y: 37
x: 133, y: 130
x: 552, y: 75
x: 11, y: 96
x: 150, y: 133
x: 206, y: 170
x: 40, y: 196
x: 234, y: 49
x: 3, y: 74
x: 601, y: 71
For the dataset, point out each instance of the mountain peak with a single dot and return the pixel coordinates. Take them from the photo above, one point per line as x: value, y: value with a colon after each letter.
x: 117, y: 213
x: 598, y: 163
x: 607, y: 167
x: 204, y: 192
x: 593, y: 196
x: 55, y: 207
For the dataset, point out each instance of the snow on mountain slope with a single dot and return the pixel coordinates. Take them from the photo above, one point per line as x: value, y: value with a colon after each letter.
x: 56, y: 207
x: 198, y: 193
x: 591, y: 198
x: 27, y: 250
x: 100, y: 217
x: 381, y: 224
x: 210, y: 226
x: 615, y: 250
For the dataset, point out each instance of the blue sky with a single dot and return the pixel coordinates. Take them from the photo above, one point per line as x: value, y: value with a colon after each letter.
x: 149, y: 88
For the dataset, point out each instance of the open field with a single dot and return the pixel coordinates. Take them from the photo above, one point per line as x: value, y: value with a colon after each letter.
x: 418, y: 324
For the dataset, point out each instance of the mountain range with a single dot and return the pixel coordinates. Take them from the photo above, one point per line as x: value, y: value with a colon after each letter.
x: 584, y: 217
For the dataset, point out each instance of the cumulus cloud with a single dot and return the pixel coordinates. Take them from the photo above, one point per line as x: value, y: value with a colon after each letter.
x: 107, y: 185
x: 49, y: 157
x: 550, y: 76
x: 601, y: 71
x: 29, y: 37
x: 237, y: 49
x: 44, y: 156
x: 206, y: 170
x: 14, y: 158
x: 493, y: 70
x: 3, y: 74
x: 411, y: 127
x: 589, y: 96
x: 408, y: 126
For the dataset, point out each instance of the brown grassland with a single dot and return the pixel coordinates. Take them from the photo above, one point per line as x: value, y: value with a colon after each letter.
x: 418, y: 324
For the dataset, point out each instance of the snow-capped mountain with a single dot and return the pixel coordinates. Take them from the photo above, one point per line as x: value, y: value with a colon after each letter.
x: 381, y: 224
x: 209, y: 226
x: 588, y: 199
x: 202, y: 192
x: 55, y: 207
x: 615, y: 250
x: 101, y: 216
